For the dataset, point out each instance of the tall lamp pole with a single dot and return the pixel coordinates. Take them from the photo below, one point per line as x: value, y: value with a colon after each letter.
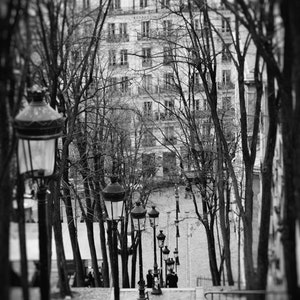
x: 153, y: 215
x: 113, y: 195
x: 37, y: 128
x: 138, y: 214
x: 161, y: 240
x: 166, y: 252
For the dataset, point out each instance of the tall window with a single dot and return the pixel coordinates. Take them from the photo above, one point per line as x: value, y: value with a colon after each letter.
x: 124, y: 84
x: 143, y: 3
x: 168, y: 55
x: 111, y: 30
x: 147, y: 82
x: 169, y: 109
x: 169, y: 163
x: 226, y: 76
x: 115, y: 4
x: 146, y: 54
x: 165, y: 3
x: 148, y: 161
x: 205, y: 104
x: 123, y: 30
x: 169, y: 80
x: 147, y: 109
x: 225, y: 24
x: 123, y: 57
x: 112, y: 58
x: 146, y: 29
x: 167, y: 27
x: 226, y: 53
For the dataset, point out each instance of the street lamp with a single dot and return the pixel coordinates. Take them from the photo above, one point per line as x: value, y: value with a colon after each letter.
x: 153, y: 216
x: 113, y: 196
x: 165, y: 253
x: 37, y: 128
x: 170, y: 263
x: 176, y: 256
x: 161, y: 240
x: 138, y: 214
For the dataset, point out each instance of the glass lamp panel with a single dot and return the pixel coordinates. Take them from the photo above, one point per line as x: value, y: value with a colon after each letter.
x: 160, y: 243
x: 136, y: 224
x: 36, y: 156
x: 114, y: 209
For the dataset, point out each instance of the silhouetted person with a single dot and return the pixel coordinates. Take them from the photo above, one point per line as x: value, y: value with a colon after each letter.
x: 149, y: 278
x: 15, y: 279
x: 172, y: 279
x: 36, y: 278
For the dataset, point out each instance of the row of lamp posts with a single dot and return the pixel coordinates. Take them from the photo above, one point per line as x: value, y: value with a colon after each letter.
x: 113, y: 196
x: 37, y: 128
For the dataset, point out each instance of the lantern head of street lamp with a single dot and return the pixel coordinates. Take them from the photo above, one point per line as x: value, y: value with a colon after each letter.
x: 37, y: 127
x: 138, y: 214
x: 165, y: 253
x: 161, y: 239
x: 153, y: 216
x: 113, y: 195
x: 170, y: 263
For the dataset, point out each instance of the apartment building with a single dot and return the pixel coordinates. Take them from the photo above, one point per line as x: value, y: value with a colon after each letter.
x: 150, y: 65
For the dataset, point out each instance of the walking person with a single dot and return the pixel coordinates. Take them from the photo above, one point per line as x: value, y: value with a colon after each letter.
x: 172, y: 279
x: 149, y: 278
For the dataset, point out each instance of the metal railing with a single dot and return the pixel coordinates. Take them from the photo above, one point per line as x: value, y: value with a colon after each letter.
x: 245, y: 295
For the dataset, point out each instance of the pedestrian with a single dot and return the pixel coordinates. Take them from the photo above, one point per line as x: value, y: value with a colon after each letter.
x: 36, y: 280
x: 91, y: 280
x: 172, y: 279
x: 149, y: 278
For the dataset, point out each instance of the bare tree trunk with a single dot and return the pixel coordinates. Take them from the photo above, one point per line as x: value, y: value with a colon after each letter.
x: 288, y: 131
x: 223, y: 213
x: 60, y: 253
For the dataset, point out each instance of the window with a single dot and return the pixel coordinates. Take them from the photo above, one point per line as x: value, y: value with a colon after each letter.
x: 147, y: 82
x: 124, y: 57
x: 112, y: 84
x: 146, y: 29
x: 168, y: 81
x: 111, y: 30
x: 143, y: 3
x: 148, y: 163
x: 112, y: 57
x: 168, y: 55
x: 167, y: 27
x: 196, y: 24
x: 148, y: 138
x: 226, y: 76
x: 205, y: 104
x: 165, y: 3
x: 226, y: 53
x: 123, y: 30
x: 146, y: 54
x: 124, y: 84
x: 169, y: 137
x: 169, y: 163
x: 115, y: 4
x: 169, y: 109
x: 147, y: 109
x: 225, y: 24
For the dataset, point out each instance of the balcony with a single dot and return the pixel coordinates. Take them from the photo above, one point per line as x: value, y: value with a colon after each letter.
x: 226, y: 85
x: 148, y: 90
x: 117, y: 38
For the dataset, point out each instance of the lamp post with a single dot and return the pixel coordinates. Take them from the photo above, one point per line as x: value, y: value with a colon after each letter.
x: 166, y: 252
x: 176, y: 256
x: 37, y: 128
x: 138, y: 214
x: 170, y: 265
x: 153, y: 216
x: 113, y: 195
x: 161, y: 240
